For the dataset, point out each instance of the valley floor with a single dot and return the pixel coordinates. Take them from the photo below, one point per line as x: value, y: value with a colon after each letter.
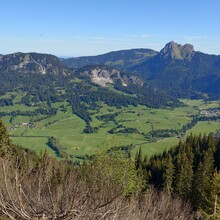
x: 132, y: 127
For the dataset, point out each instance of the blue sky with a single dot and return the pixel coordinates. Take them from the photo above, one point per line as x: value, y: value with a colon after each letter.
x: 90, y: 27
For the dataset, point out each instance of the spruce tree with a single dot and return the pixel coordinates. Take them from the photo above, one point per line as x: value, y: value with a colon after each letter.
x: 139, y: 159
x: 184, y: 174
x: 216, y: 195
x: 168, y: 175
x: 217, y: 156
x: 203, y: 183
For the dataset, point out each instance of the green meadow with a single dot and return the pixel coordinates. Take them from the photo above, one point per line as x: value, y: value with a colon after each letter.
x: 68, y: 129
x: 205, y: 127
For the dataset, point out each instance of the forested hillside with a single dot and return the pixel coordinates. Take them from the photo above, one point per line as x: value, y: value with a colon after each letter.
x: 189, y: 170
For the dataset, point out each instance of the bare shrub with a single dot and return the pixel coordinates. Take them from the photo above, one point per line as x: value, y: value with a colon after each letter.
x: 107, y: 189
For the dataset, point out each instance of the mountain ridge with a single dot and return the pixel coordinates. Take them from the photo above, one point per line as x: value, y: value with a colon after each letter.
x: 177, y: 69
x: 115, y: 59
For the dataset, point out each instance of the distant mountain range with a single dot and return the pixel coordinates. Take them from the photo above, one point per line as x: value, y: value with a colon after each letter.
x: 177, y: 70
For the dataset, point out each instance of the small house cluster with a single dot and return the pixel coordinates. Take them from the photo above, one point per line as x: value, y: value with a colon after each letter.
x: 210, y: 112
x: 23, y: 124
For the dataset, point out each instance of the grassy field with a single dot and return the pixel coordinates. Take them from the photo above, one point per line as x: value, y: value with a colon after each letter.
x: 68, y: 128
x: 146, y: 119
x: 150, y: 149
x: 37, y: 144
x: 201, y: 104
x: 205, y: 127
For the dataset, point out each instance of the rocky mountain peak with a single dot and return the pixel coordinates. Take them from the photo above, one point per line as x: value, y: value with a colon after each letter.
x: 176, y: 51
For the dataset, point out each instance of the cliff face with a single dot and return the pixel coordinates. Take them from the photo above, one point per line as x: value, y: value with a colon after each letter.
x: 105, y: 76
x: 176, y: 51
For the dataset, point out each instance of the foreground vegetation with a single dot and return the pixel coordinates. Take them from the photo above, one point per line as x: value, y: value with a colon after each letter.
x: 108, y: 187
x: 190, y: 170
x: 111, y: 185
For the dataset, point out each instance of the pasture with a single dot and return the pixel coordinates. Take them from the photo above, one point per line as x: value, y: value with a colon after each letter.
x: 68, y: 129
